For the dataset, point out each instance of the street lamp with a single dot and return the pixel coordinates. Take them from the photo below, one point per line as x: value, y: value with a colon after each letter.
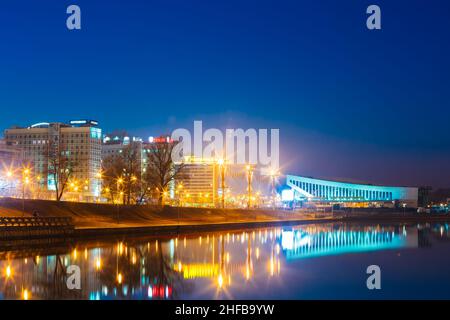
x: 249, y: 169
x: 120, y: 193
x: 221, y: 163
x: 180, y: 194
x: 25, y: 181
x: 273, y: 175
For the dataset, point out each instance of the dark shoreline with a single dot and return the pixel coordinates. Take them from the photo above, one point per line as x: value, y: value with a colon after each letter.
x: 171, y: 230
x: 93, y: 220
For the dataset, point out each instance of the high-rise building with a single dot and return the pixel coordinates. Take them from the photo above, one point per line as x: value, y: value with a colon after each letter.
x: 115, y: 144
x: 199, y: 179
x: 80, y: 142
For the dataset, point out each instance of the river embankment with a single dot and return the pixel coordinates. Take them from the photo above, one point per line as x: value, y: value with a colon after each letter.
x: 95, y: 219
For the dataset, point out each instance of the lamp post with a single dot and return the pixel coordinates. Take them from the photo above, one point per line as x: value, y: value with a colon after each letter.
x: 180, y: 194
x: 120, y: 193
x: 249, y: 169
x: 25, y: 181
x: 221, y: 163
x: 273, y: 175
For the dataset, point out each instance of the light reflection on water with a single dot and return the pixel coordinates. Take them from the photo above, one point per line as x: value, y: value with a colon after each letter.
x: 309, y: 261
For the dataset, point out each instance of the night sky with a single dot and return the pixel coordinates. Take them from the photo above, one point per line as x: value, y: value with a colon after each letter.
x: 350, y: 103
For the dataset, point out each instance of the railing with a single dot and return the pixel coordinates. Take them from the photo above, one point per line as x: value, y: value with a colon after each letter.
x: 35, y: 222
x: 35, y: 227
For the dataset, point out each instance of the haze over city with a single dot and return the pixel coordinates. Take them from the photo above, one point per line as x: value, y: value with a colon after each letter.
x: 350, y: 104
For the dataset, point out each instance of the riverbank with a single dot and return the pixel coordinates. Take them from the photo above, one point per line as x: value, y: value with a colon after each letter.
x: 93, y: 220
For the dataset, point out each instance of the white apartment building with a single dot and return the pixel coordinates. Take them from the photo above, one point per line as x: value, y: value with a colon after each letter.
x: 80, y: 141
x: 199, y: 180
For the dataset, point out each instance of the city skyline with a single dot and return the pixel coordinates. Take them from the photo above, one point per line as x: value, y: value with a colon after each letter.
x: 350, y: 103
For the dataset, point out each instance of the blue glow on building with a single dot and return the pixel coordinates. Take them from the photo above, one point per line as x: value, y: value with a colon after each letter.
x: 299, y: 244
x: 318, y: 190
x: 96, y: 133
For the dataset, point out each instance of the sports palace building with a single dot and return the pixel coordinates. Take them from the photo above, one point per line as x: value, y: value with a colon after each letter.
x: 326, y: 192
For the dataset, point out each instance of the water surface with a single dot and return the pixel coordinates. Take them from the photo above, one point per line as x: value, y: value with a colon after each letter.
x: 323, y: 261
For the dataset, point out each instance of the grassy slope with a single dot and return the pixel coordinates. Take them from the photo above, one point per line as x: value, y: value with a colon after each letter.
x: 105, y: 215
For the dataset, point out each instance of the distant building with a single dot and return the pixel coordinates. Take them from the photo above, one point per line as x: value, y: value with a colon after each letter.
x: 318, y: 191
x: 80, y: 141
x: 199, y: 180
x: 114, y: 144
x: 424, y: 196
x: 10, y: 155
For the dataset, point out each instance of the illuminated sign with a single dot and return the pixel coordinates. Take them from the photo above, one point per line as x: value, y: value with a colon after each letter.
x: 40, y: 124
x: 82, y: 122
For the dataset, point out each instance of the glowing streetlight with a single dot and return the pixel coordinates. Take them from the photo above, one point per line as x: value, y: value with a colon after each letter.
x: 98, y: 264
x: 249, y: 170
x: 25, y: 294
x: 8, y: 272
x: 220, y: 281
x: 25, y: 181
x: 221, y: 163
x: 273, y: 175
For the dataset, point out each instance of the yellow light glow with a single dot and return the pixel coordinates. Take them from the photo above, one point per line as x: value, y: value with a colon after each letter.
x: 191, y: 271
x: 220, y: 281
x: 8, y: 272
x: 25, y: 295
x: 119, y: 278
x: 98, y: 264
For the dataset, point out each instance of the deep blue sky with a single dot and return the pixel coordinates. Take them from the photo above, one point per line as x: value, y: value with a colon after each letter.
x: 351, y: 103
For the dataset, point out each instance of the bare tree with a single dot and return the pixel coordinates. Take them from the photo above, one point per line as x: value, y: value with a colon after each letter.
x: 161, y: 170
x: 131, y: 156
x: 112, y: 170
x: 60, y: 167
x: 122, y: 174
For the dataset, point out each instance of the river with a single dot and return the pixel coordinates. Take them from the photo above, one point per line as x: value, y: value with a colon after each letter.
x: 317, y: 261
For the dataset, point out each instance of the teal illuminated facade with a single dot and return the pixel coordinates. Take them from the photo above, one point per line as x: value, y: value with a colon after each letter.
x: 318, y: 190
x: 300, y: 244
